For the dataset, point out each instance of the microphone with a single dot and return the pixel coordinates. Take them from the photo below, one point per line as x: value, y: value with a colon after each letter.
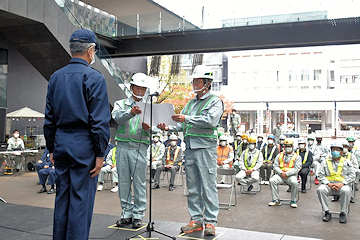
x: 155, y: 94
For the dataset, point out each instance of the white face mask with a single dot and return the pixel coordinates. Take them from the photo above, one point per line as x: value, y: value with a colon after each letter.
x: 288, y: 149
x: 201, y: 90
x: 301, y: 146
x: 173, y: 143
x: 351, y: 145
x: 245, y: 141
x: 281, y: 141
x: 270, y: 141
x: 311, y: 142
x: 223, y: 143
x: 345, y: 150
x: 156, y: 139
x: 16, y: 135
x: 251, y: 146
x: 260, y: 139
x: 92, y: 60
x: 238, y: 138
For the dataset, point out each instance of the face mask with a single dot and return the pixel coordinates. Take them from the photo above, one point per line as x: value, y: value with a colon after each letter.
x: 335, y: 154
x: 318, y: 141
x: 238, y: 138
x: 345, y: 150
x: 222, y: 143
x: 201, y: 90
x: 260, y: 139
x: 251, y: 146
x: 245, y: 141
x: 270, y: 141
x: 281, y: 141
x: 302, y: 146
x: 92, y: 60
x: 278, y: 126
x: 156, y: 139
x: 173, y: 143
x: 16, y: 135
x: 311, y: 142
x: 351, y: 145
x: 288, y: 149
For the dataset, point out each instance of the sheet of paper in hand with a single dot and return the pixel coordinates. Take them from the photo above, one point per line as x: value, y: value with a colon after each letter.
x: 161, y: 113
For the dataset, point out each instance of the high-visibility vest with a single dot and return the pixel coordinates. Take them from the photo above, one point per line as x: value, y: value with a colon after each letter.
x: 154, y: 151
x: 128, y: 132
x: 168, y: 158
x: 335, y: 176
x: 236, y: 145
x: 191, y: 130
x: 271, y: 154
x: 253, y: 162
x: 223, y: 153
x: 113, y: 156
x: 305, y: 157
x: 290, y: 165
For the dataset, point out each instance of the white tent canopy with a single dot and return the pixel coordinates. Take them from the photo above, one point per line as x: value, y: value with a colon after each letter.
x: 25, y: 112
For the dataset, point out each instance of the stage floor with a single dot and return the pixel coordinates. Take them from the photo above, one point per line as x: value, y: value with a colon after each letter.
x: 20, y: 222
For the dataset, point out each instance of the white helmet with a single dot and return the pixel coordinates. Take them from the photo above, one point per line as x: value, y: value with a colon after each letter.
x: 202, y: 71
x: 223, y: 138
x: 173, y: 137
x: 337, y: 144
x: 301, y: 140
x: 140, y: 79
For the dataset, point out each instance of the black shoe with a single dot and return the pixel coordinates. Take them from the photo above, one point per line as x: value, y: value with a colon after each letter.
x: 289, y: 189
x: 42, y: 190
x: 356, y: 188
x: 335, y: 198
x: 342, y: 218
x: 156, y: 186
x: 239, y: 183
x: 136, y: 223
x: 171, y: 187
x: 123, y: 222
x: 303, y: 190
x: 51, y: 191
x: 221, y: 182
x: 38, y: 183
x: 250, y: 188
x: 352, y: 200
x: 327, y: 216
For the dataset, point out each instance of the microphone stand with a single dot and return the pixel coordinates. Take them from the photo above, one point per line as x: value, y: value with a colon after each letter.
x: 150, y: 226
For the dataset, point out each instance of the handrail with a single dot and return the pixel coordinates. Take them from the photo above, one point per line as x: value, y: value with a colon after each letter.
x: 119, y: 75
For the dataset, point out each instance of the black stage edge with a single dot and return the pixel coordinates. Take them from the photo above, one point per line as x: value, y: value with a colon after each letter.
x: 22, y: 222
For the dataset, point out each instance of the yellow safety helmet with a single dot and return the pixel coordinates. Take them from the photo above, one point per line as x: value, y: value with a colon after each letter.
x: 244, y: 136
x: 288, y: 141
x: 252, y: 140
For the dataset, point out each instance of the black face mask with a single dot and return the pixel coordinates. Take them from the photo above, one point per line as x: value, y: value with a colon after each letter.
x: 318, y: 141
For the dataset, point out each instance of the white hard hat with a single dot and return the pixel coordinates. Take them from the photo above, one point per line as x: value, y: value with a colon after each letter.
x: 282, y: 137
x: 346, y: 143
x: 202, y: 71
x: 223, y: 138
x: 173, y: 137
x: 140, y: 79
x: 337, y: 144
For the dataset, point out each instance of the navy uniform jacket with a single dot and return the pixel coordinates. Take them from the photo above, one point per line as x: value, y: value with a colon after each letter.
x: 77, y: 98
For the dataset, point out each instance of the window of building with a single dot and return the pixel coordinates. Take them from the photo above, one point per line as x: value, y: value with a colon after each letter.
x: 349, y: 79
x: 310, y: 115
x: 305, y: 75
x: 332, y: 76
x: 216, y: 86
x: 317, y: 87
x: 304, y: 87
x: 317, y: 75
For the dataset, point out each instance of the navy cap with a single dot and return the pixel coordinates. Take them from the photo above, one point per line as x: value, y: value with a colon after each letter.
x: 83, y: 36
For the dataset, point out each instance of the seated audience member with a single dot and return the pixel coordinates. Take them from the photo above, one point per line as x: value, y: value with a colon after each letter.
x: 287, y: 166
x: 335, y: 175
x: 15, y: 143
x: 109, y: 166
x: 47, y: 173
x: 157, y: 151
x: 45, y: 159
x: 249, y: 164
x: 306, y: 158
x: 171, y: 160
x: 225, y: 155
x: 270, y: 151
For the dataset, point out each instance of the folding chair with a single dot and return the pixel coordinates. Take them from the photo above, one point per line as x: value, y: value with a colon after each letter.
x: 229, y: 172
x: 288, y: 200
x: 181, y: 172
x: 108, y: 179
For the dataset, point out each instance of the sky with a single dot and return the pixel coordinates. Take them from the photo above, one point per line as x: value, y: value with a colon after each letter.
x: 216, y: 10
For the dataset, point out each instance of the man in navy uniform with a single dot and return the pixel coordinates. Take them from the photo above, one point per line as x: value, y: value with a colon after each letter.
x: 77, y: 132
